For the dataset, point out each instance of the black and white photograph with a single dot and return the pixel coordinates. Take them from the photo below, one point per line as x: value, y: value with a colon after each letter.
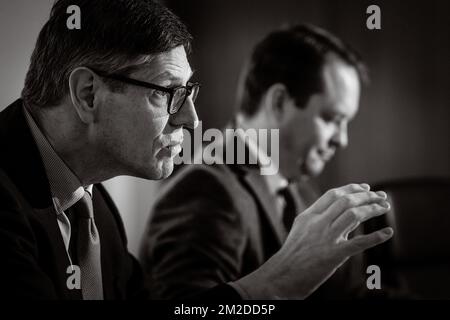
x: 216, y: 157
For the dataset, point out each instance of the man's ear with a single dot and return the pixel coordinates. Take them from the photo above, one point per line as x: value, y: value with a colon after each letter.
x: 82, y: 86
x: 276, y: 99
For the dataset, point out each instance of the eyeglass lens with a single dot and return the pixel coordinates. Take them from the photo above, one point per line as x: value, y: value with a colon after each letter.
x: 179, y: 97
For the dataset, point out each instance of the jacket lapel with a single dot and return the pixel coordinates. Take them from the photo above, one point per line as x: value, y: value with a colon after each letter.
x: 22, y: 162
x: 60, y: 259
x: 257, y: 185
x: 251, y: 178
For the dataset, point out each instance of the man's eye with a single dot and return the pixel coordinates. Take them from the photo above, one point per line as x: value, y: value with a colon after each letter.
x: 159, y: 93
x: 329, y: 118
x: 158, y: 97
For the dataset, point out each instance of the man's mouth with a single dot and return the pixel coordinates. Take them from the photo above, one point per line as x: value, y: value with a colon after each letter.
x: 171, y: 144
x: 172, y: 149
x: 326, y: 155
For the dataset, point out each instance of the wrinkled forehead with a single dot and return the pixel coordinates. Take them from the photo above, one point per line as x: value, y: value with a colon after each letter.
x: 170, y: 66
x: 341, y: 86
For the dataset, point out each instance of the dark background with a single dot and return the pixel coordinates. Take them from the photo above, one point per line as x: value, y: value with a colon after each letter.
x: 402, y: 129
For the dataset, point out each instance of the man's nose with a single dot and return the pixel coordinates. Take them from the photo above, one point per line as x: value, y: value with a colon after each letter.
x: 186, y: 116
x: 340, y: 138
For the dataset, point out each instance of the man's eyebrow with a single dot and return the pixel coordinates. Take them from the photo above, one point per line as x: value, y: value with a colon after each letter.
x: 167, y: 75
x: 342, y: 115
x: 338, y: 114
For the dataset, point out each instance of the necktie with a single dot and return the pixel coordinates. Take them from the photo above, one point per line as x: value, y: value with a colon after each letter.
x: 290, y: 208
x: 88, y: 250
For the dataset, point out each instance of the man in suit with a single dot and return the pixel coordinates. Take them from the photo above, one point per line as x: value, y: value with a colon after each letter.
x: 81, y: 121
x: 105, y: 100
x: 217, y: 223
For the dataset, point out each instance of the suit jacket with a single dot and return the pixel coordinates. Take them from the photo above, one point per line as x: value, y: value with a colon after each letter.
x: 214, y: 224
x: 34, y: 259
x: 206, y: 229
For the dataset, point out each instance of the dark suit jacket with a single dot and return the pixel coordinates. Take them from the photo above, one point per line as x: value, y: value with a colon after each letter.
x: 207, y: 229
x: 34, y: 260
x: 213, y: 224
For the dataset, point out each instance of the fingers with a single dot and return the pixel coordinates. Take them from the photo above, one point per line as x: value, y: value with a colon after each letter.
x: 353, y: 200
x: 361, y: 243
x: 333, y: 195
x: 351, y: 218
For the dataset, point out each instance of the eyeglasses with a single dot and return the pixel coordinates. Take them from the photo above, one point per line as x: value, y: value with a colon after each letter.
x: 177, y: 95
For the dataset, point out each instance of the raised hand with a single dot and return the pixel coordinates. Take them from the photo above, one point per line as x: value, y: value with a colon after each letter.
x: 318, y: 243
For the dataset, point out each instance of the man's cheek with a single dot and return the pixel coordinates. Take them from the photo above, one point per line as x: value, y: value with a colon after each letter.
x: 157, y: 124
x: 154, y: 128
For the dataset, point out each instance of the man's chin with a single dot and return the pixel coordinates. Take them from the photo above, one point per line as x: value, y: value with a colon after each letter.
x: 161, y: 170
x: 166, y: 168
x: 312, y: 168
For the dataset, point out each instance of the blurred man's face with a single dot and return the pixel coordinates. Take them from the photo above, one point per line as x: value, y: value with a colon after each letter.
x: 138, y: 136
x: 310, y: 137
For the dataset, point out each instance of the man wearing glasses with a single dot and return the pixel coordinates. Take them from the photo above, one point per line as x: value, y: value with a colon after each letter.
x: 112, y: 99
x: 109, y: 99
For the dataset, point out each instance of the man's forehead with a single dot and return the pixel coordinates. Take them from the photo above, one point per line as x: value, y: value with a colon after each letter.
x: 341, y: 87
x: 339, y: 75
x: 172, y: 65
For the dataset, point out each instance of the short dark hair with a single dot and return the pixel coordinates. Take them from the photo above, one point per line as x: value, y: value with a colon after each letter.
x: 114, y: 34
x: 295, y: 57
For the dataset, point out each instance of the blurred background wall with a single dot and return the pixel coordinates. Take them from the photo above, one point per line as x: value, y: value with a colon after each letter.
x: 401, y: 131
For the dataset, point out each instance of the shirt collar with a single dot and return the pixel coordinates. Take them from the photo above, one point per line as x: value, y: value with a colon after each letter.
x: 274, y: 182
x: 65, y: 187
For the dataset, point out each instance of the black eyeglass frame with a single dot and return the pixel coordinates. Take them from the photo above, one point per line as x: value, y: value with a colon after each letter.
x: 171, y: 91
